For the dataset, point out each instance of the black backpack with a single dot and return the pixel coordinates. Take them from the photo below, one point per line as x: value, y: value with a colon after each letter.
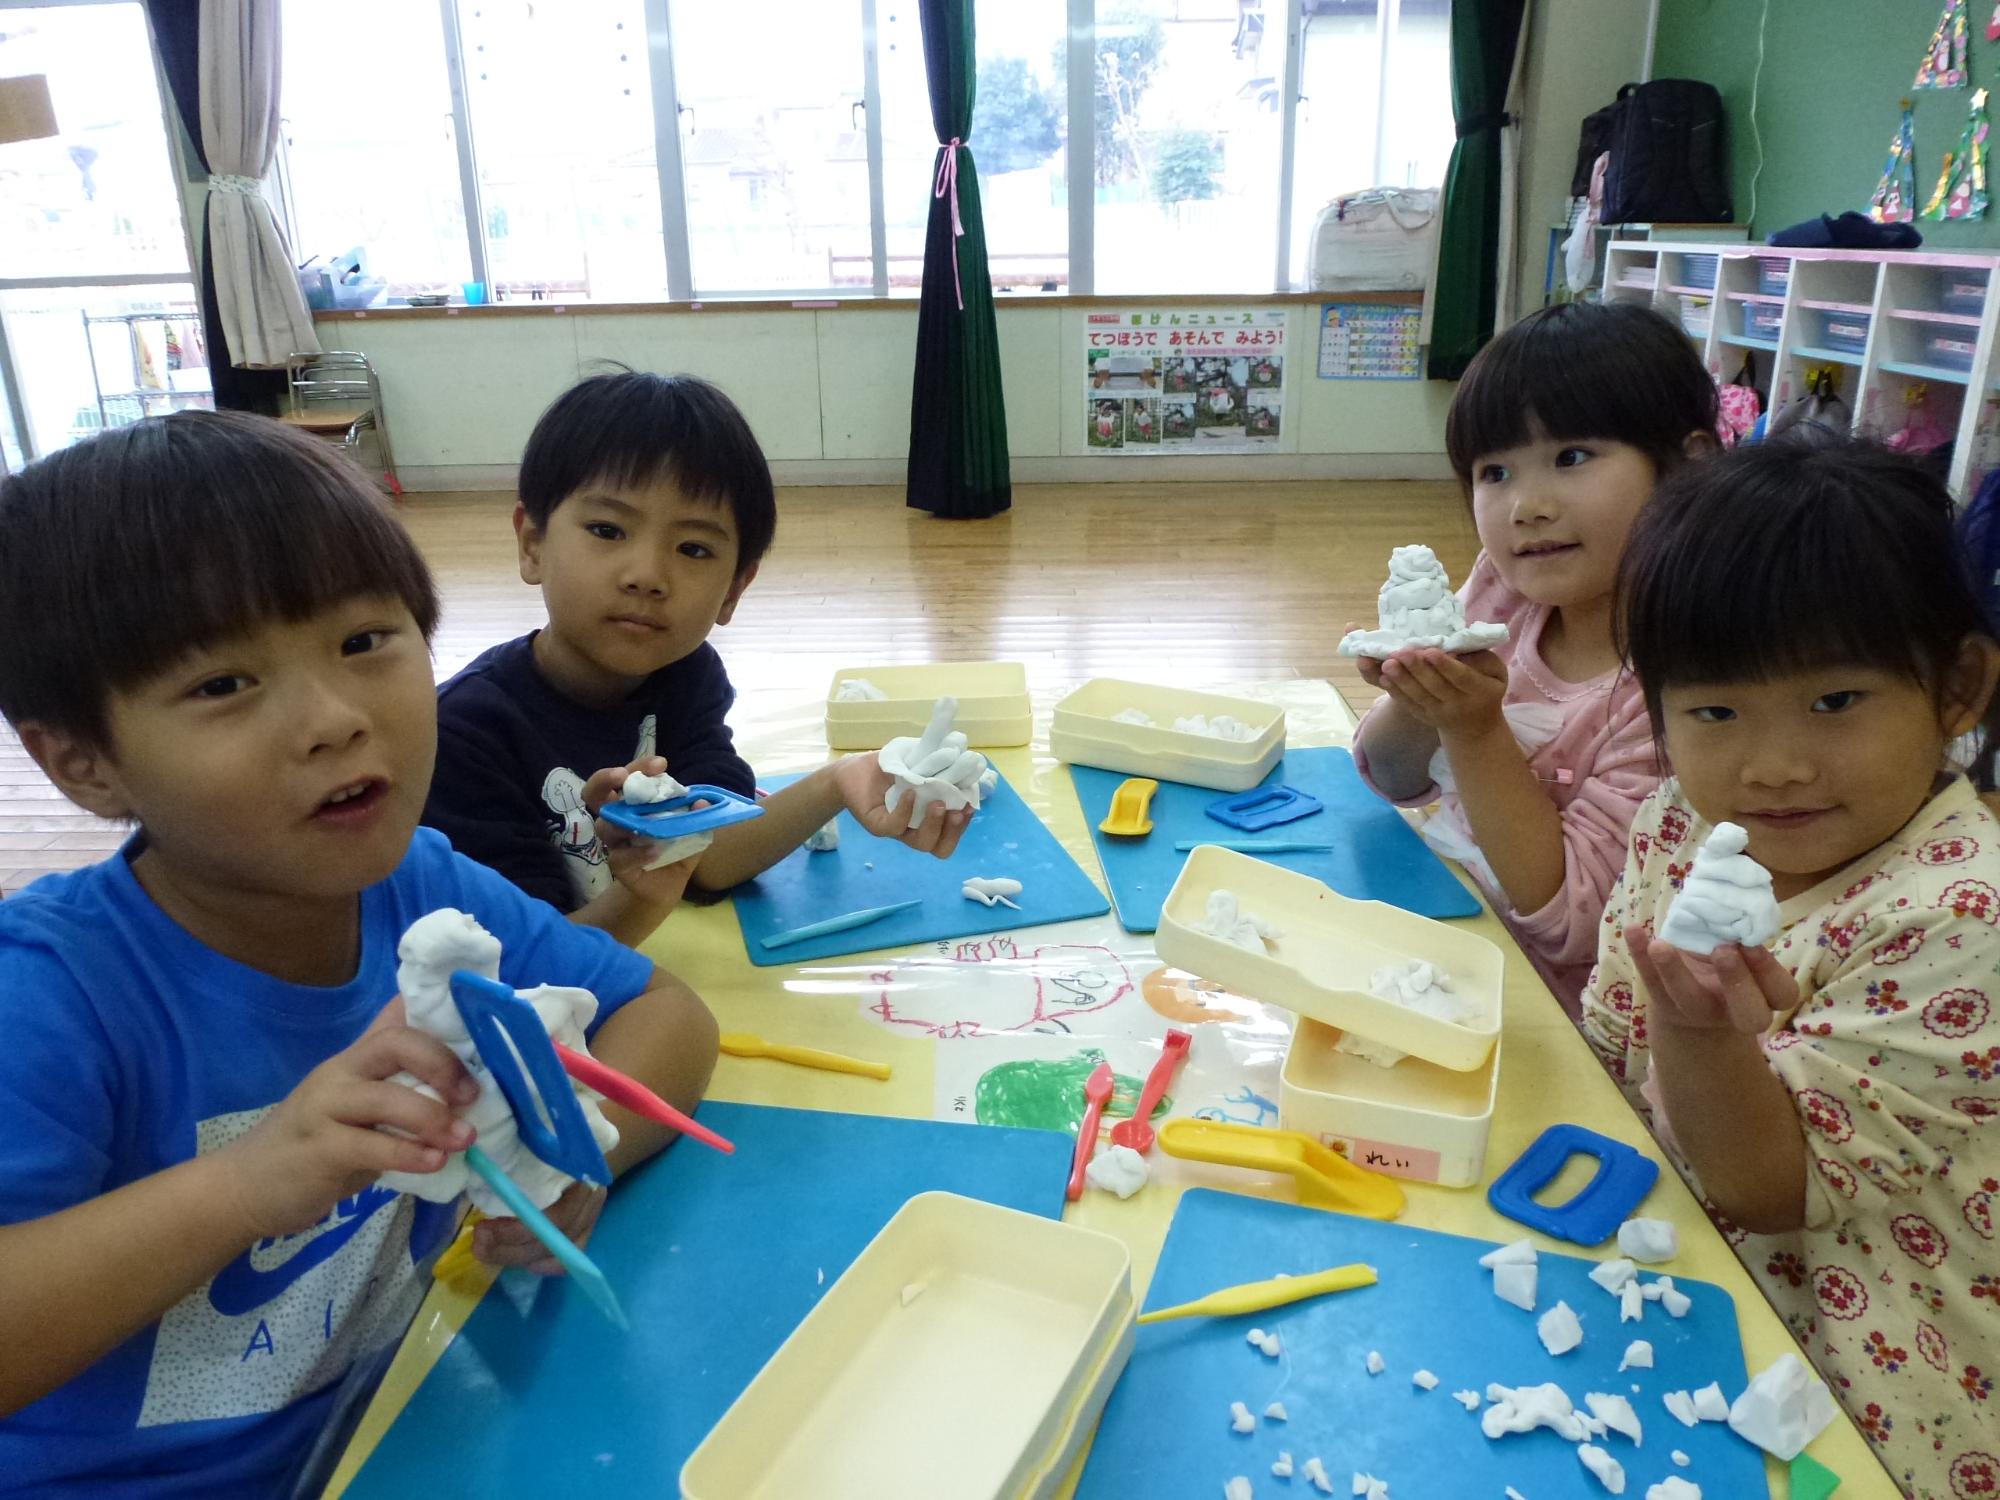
x: 1667, y: 161
x: 1592, y: 142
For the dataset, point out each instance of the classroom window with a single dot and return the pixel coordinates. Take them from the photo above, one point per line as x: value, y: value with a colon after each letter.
x: 775, y: 177
x: 373, y: 164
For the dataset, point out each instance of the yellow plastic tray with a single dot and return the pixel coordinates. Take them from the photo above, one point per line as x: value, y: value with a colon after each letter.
x: 982, y: 1386
x: 1414, y: 1120
x: 993, y: 707
x: 1085, y: 731
x: 1319, y: 967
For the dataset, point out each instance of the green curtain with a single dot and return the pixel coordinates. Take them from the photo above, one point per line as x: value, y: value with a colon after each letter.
x: 1484, y: 34
x: 958, y: 419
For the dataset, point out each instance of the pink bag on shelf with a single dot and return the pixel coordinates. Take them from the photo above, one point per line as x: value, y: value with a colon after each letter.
x: 1738, y: 406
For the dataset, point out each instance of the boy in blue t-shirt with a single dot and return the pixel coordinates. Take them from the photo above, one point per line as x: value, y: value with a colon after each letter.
x: 646, y: 506
x: 210, y: 627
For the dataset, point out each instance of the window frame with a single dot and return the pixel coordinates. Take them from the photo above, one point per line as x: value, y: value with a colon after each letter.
x: 1080, y: 145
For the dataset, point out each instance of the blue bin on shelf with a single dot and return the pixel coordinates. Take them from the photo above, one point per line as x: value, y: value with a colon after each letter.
x: 1964, y: 293
x: 1700, y: 270
x: 1846, y: 332
x: 1774, y: 274
x: 1949, y: 351
x: 1761, y: 319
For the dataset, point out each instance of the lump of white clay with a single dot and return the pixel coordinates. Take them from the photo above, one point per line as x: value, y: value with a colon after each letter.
x: 1269, y: 1346
x: 1514, y: 1494
x: 1414, y: 985
x: 1649, y: 1240
x: 1524, y: 1408
x: 1520, y: 1253
x: 1631, y: 1303
x: 1282, y: 1469
x: 431, y: 950
x: 1375, y: 1365
x: 1221, y: 727
x: 1237, y: 1489
x: 1254, y: 1337
x: 1240, y: 1419
x: 1227, y: 920
x: 1610, y: 1473
x: 1661, y: 1289
x: 1117, y: 1169
x: 1726, y: 898
x: 1315, y: 1471
x: 1680, y: 1458
x: 1673, y: 1487
x: 935, y: 767
x: 1710, y: 1404
x: 1681, y: 1405
x: 1276, y: 1412
x: 914, y: 1290
x: 1614, y: 1275
x: 641, y: 788
x: 1425, y: 1380
x: 1136, y: 716
x: 824, y: 839
x: 1516, y: 1284
x: 1467, y: 1399
x: 858, y: 690
x: 1559, y: 1329
x: 1638, y: 1356
x: 1416, y: 607
x: 991, y: 890
x: 1616, y: 1413
x: 1371, y: 1488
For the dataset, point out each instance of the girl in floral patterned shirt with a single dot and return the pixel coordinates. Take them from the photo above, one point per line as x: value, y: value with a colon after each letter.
x: 1808, y: 648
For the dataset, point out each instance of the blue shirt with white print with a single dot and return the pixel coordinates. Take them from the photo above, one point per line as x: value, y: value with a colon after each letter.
x: 129, y: 1046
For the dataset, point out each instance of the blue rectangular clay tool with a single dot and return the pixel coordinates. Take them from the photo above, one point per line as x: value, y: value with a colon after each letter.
x: 677, y: 817
x: 1263, y: 807
x: 509, y: 1033
x: 1592, y: 1216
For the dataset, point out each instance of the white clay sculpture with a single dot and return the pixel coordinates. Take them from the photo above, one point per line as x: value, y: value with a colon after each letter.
x: 1227, y: 920
x: 431, y: 950
x: 991, y: 891
x: 1726, y: 898
x: 1416, y: 607
x: 935, y: 767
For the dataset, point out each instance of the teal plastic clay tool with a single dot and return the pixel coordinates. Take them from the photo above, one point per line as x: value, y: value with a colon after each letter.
x: 845, y: 922
x: 1257, y: 846
x: 582, y: 1269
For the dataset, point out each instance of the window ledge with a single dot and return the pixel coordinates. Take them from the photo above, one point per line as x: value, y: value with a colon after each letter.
x: 780, y: 303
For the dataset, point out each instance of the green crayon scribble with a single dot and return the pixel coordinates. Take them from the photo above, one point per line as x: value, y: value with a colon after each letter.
x: 1047, y: 1094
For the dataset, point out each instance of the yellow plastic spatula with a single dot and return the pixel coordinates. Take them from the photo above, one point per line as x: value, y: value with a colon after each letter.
x: 1324, y: 1178
x: 742, y: 1044
x: 1256, y: 1296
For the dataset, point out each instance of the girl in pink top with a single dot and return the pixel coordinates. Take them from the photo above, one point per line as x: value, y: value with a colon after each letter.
x: 1539, y: 752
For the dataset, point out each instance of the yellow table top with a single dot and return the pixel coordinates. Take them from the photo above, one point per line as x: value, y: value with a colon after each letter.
x: 875, y: 1006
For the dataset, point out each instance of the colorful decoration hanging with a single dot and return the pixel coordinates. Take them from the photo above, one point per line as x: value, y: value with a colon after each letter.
x: 1895, y: 200
x: 1993, y: 26
x: 1944, y: 66
x: 1961, y: 186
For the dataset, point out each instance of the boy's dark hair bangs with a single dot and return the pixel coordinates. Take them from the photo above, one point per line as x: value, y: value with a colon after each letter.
x: 630, y: 429
x: 1786, y: 557
x: 121, y: 555
x: 1577, y: 371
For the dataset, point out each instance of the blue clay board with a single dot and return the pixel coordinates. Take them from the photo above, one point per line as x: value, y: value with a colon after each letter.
x: 1166, y: 1430
x: 716, y: 1259
x: 1376, y: 855
x: 1004, y: 839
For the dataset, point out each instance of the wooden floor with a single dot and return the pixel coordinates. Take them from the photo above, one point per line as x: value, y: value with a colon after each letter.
x: 1182, y: 583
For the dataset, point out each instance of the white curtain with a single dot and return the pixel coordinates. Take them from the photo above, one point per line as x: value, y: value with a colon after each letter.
x: 1506, y: 299
x: 264, y: 317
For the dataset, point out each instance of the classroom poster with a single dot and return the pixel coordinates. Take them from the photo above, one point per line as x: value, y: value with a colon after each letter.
x: 1184, y: 380
x: 1370, y: 341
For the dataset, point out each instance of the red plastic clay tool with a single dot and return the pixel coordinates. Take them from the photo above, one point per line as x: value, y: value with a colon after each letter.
x: 634, y: 1095
x: 1137, y: 1132
x: 1096, y: 1093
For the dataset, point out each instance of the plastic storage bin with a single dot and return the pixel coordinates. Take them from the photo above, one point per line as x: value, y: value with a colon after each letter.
x: 1964, y: 293
x: 1696, y: 313
x: 1846, y: 332
x: 993, y: 707
x: 1761, y: 319
x: 1330, y: 945
x: 1774, y: 274
x: 1414, y: 1120
x: 1086, y: 731
x: 1949, y: 351
x: 968, y: 1351
x: 1699, y: 270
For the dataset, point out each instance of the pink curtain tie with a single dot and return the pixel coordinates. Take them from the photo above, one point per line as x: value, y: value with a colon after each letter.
x: 947, y: 182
